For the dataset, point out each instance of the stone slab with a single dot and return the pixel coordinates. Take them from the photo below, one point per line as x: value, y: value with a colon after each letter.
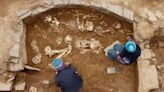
x: 146, y: 54
x: 74, y: 1
x: 148, y: 78
x: 15, y: 51
x: 128, y: 14
x: 6, y: 86
x: 20, y: 86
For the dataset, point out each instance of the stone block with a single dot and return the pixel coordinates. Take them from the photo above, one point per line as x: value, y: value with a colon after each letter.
x: 104, y: 5
x: 20, y: 86
x: 48, y: 2
x: 26, y: 15
x: 148, y: 78
x: 118, y: 10
x: 22, y: 12
x: 74, y: 1
x: 57, y: 2
x: 96, y: 4
x: 14, y: 60
x: 15, y: 51
x: 33, y: 89
x: 111, y: 7
x: 88, y: 3
x: 145, y: 54
x: 17, y: 36
x: 16, y: 67
x: 143, y: 63
x: 65, y: 1
x: 148, y: 32
x: 128, y: 14
x: 6, y: 86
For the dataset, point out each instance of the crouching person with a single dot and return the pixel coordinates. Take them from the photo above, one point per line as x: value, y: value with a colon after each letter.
x: 125, y: 54
x: 67, y: 77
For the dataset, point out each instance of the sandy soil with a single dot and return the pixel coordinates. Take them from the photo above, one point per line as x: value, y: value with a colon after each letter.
x: 91, y: 66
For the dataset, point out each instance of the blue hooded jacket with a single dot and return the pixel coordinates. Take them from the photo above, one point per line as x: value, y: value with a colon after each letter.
x: 68, y: 80
x: 132, y: 57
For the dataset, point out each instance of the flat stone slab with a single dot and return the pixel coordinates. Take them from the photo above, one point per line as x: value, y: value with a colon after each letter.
x: 146, y: 54
x: 6, y: 86
x: 148, y: 78
x: 15, y: 51
x: 20, y: 86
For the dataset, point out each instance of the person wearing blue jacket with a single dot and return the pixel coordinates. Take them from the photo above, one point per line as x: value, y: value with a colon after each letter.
x: 67, y: 77
x: 125, y: 54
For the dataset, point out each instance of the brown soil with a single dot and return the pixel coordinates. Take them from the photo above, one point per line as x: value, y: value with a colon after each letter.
x: 91, y: 66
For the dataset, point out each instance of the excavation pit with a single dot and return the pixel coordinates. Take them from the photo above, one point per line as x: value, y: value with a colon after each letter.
x: 90, y: 65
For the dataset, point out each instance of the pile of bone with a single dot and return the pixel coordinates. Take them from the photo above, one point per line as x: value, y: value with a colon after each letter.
x: 89, y: 45
x: 38, y: 57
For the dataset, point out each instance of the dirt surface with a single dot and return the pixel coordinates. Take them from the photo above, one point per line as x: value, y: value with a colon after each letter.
x: 91, y: 66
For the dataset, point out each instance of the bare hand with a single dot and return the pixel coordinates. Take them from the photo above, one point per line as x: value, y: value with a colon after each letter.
x: 67, y: 63
x: 117, y: 53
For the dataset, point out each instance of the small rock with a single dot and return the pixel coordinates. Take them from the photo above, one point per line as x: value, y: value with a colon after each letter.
x: 45, y: 82
x: 20, y: 86
x: 151, y: 16
x: 15, y: 51
x: 161, y: 44
x: 33, y: 89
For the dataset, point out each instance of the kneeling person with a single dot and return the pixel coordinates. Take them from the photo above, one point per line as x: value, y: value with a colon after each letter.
x: 125, y: 54
x: 67, y: 77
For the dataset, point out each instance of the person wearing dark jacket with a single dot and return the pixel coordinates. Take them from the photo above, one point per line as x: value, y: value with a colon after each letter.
x: 125, y: 54
x: 67, y: 77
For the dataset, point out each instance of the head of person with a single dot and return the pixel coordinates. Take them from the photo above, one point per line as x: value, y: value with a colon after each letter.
x: 58, y: 64
x: 130, y: 46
